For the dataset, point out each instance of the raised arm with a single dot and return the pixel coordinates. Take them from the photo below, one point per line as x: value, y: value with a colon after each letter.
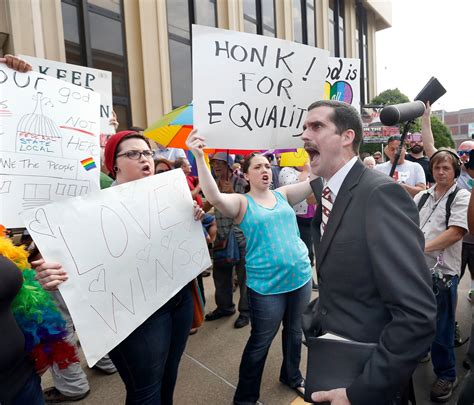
x: 229, y: 204
x: 295, y: 193
x: 426, y: 133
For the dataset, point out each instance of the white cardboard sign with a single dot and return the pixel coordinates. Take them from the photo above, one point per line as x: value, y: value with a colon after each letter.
x: 252, y: 91
x: 89, y: 78
x: 127, y: 249
x: 49, y: 142
x: 343, y: 81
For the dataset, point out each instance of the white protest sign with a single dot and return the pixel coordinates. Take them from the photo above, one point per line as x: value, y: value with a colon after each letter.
x: 46, y: 153
x: 97, y: 80
x: 343, y: 81
x: 252, y: 91
x: 127, y: 250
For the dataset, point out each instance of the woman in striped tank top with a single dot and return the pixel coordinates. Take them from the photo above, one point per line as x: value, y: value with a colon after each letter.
x: 277, y: 264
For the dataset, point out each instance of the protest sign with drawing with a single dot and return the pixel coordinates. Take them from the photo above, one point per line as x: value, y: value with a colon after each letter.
x: 343, y: 81
x: 49, y: 142
x: 127, y: 250
x: 97, y: 80
x: 252, y: 91
x: 342, y: 84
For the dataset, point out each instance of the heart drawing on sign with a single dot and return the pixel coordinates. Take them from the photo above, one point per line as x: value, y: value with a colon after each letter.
x: 198, y: 257
x: 41, y: 224
x: 340, y: 91
x: 144, y: 254
x: 98, y: 284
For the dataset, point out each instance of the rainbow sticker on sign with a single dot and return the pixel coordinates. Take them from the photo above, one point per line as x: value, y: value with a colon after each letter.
x: 341, y: 91
x: 88, y: 164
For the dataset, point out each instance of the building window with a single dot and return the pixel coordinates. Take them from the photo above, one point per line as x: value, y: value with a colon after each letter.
x: 94, y: 37
x: 362, y: 52
x: 181, y: 15
x: 304, y: 22
x: 336, y: 28
x: 259, y: 17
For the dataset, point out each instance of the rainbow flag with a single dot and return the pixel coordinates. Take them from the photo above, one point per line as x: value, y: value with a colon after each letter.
x: 88, y: 164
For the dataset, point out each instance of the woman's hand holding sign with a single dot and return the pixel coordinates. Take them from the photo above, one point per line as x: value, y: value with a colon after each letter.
x: 196, y: 143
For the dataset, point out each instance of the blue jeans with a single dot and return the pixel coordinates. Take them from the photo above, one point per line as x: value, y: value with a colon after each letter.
x: 148, y: 359
x: 266, y: 314
x: 31, y: 393
x: 442, y: 349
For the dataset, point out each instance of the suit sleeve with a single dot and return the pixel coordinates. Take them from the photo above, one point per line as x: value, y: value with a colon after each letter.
x: 395, y: 245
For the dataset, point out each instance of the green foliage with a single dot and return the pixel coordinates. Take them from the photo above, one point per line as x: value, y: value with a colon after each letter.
x: 441, y: 133
x: 390, y: 96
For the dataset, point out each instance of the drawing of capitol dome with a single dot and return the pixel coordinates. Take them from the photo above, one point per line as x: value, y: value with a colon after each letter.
x: 37, y: 133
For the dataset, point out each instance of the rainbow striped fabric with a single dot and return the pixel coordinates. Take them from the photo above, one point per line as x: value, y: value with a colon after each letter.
x: 88, y: 164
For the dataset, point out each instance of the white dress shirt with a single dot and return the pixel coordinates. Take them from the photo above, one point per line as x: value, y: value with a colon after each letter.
x: 335, y: 182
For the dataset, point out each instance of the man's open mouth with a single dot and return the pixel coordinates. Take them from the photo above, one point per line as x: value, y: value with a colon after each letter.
x: 312, y: 152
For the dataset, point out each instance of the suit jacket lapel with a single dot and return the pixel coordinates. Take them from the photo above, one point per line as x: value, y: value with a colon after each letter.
x: 343, y: 199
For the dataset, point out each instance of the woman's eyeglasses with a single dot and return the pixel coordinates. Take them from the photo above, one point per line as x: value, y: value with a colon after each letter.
x: 136, y: 154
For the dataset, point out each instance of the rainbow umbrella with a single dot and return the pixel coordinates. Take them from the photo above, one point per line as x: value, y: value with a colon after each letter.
x: 173, y: 128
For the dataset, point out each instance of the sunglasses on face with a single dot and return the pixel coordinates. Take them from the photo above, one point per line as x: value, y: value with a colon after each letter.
x: 161, y: 171
x: 463, y: 152
x: 136, y: 154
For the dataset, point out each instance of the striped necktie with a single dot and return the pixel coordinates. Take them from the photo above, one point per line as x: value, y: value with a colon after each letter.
x: 326, y: 208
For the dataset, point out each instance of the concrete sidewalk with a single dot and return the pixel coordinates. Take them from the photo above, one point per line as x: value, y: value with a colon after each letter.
x: 209, y: 368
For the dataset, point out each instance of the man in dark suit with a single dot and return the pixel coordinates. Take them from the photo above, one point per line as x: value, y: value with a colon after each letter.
x: 374, y: 284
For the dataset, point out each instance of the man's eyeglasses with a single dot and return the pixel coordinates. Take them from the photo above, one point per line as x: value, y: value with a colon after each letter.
x: 464, y: 152
x: 136, y: 154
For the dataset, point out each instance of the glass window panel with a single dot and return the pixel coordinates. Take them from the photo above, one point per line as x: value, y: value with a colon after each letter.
x: 111, y: 5
x: 179, y: 41
x: 178, y: 18
x: 341, y: 37
x: 181, y: 76
x: 311, y: 18
x: 332, y: 41
x: 106, y: 34
x: 268, y: 18
x: 250, y: 16
x: 297, y: 22
x: 122, y: 116
x: 357, y: 43
x: 108, y: 50
x: 205, y: 12
x: 71, y: 34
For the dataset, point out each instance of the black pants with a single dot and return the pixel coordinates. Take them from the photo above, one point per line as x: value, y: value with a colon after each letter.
x: 467, y: 258
x: 304, y: 226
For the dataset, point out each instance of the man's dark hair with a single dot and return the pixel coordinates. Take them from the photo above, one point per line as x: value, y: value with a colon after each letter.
x: 344, y: 117
x: 394, y: 138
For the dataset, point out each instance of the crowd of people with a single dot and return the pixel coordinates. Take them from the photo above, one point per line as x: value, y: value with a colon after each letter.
x: 385, y: 253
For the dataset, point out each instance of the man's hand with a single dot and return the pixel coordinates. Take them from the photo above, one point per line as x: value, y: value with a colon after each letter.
x: 114, y: 121
x: 15, y: 63
x: 335, y: 397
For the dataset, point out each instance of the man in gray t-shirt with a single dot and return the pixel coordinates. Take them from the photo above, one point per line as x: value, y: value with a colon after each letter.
x: 410, y: 175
